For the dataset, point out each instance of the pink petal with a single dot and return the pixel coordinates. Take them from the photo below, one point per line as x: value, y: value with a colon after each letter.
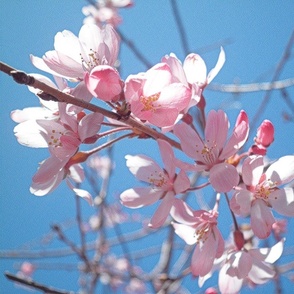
x: 203, y: 256
x: 282, y: 201
x: 158, y: 77
x: 228, y: 284
x: 261, y: 219
x: 162, y: 212
x: 144, y: 168
x: 182, y: 183
x: 252, y: 170
x: 139, y: 197
x: 104, y: 83
x: 189, y: 139
x: 240, y: 264
x: 168, y: 157
x: 185, y: 232
x: 216, y: 129
x: 162, y: 117
x: 223, y: 177
x: 195, y: 69
x: 182, y: 213
x: 89, y: 125
x: 241, y: 203
x: 281, y: 171
x: 270, y: 254
x: 175, y: 95
x: 238, y: 138
x: 220, y: 62
x: 260, y: 272
x: 28, y: 133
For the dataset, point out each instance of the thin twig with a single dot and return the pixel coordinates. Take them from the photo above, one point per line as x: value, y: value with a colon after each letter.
x: 182, y: 31
x: 279, y: 68
x: 254, y: 87
x: 32, y: 284
x: 130, y: 44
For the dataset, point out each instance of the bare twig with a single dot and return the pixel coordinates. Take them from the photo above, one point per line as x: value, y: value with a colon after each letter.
x: 254, y: 87
x: 182, y: 31
x: 279, y: 68
x: 32, y: 284
x: 130, y: 44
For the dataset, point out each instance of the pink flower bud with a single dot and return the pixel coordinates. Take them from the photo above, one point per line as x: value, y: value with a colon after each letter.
x: 265, y: 134
x: 104, y: 82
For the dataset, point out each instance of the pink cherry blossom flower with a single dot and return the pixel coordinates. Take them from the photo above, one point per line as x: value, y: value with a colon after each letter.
x: 165, y: 184
x: 74, y: 56
x: 211, y: 154
x: 180, y: 76
x: 155, y: 97
x: 261, y: 192
x: 62, y: 134
x: 105, y: 11
x: 254, y: 265
x: 198, y: 227
x: 52, y: 172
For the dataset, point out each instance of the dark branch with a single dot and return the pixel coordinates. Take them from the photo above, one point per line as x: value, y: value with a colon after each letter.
x: 32, y: 284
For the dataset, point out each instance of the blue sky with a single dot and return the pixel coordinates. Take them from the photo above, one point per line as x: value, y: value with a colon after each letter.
x: 253, y: 34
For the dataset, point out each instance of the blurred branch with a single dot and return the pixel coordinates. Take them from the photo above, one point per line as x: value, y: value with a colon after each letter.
x: 182, y: 31
x: 286, y: 55
x: 32, y: 284
x: 254, y: 87
x: 130, y: 44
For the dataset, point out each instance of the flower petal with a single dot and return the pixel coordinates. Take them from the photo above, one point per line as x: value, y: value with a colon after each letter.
x: 261, y: 219
x: 282, y: 201
x: 139, y: 197
x: 281, y: 171
x: 223, y: 177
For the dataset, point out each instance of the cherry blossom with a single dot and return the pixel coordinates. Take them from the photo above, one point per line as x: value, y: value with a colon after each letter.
x: 198, y: 227
x: 62, y: 134
x: 105, y: 11
x: 52, y: 172
x: 74, y: 56
x: 164, y: 184
x: 212, y: 153
x: 260, y: 192
x: 254, y: 265
x: 157, y: 96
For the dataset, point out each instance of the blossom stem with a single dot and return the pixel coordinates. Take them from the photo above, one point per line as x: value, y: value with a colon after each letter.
x: 232, y: 213
x: 199, y: 187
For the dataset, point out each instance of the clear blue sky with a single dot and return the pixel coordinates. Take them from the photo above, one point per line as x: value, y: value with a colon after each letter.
x: 254, y: 35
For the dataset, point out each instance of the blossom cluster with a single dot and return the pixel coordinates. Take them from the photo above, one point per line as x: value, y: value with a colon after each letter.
x: 162, y: 98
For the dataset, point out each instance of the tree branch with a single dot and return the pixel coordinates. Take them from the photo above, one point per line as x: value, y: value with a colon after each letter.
x: 32, y: 284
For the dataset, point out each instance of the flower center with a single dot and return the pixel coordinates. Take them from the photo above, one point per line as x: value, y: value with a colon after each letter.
x: 207, y: 153
x: 157, y: 179
x: 91, y: 62
x: 202, y: 234
x: 263, y: 191
x: 147, y: 101
x: 54, y: 139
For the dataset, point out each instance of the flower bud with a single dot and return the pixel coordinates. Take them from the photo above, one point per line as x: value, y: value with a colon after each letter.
x: 265, y: 134
x: 104, y: 83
